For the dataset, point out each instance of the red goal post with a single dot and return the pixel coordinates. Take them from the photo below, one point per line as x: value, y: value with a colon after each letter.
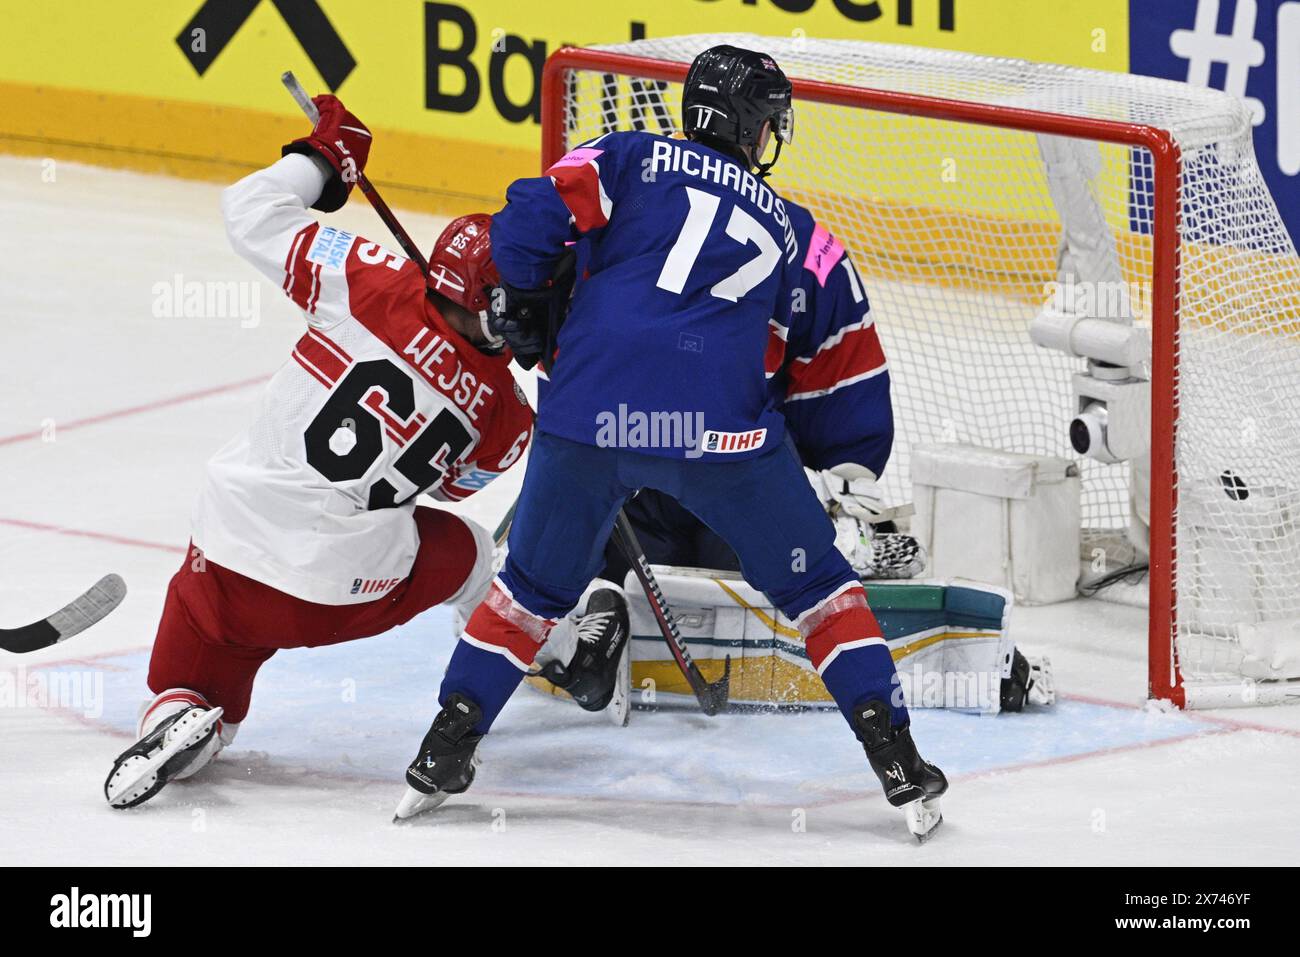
x: 1164, y: 676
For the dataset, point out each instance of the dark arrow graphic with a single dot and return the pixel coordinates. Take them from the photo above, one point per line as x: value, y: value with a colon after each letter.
x: 220, y: 20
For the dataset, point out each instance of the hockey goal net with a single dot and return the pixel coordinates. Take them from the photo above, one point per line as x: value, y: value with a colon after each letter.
x: 971, y: 191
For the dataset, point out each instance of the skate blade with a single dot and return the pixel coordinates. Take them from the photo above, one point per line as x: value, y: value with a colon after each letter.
x: 923, y: 818
x: 127, y: 781
x: 414, y: 803
x: 620, y: 705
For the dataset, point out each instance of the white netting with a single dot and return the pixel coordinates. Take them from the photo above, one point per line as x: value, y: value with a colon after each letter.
x: 957, y: 231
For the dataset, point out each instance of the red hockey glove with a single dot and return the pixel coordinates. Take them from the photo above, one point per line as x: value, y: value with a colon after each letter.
x: 341, y: 140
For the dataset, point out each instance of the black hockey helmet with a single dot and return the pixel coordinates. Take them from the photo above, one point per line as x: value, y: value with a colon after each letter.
x: 730, y: 93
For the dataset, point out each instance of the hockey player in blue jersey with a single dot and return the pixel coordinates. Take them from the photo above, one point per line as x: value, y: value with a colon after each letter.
x: 831, y: 385
x: 659, y: 378
x: 832, y: 388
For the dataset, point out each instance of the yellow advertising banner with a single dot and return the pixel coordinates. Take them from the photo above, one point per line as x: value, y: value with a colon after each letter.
x: 451, y: 88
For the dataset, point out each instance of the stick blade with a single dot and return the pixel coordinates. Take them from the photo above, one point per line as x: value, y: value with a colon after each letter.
x: 719, y: 692
x: 78, y: 615
x: 72, y: 619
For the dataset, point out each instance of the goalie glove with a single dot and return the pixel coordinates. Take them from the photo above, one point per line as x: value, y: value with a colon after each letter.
x: 851, y: 489
x: 874, y: 554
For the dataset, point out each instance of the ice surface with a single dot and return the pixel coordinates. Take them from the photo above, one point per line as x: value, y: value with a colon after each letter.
x: 134, y: 403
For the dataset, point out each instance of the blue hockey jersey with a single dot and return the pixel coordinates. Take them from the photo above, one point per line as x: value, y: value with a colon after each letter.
x: 690, y: 266
x: 832, y: 381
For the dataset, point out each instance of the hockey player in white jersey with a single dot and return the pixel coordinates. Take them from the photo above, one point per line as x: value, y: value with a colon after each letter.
x: 306, y: 531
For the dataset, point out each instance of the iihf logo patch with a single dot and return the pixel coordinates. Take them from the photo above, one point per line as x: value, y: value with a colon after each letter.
x: 730, y: 442
x: 369, y: 586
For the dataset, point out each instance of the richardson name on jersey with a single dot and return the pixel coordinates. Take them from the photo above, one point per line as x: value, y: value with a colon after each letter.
x: 673, y: 157
x: 428, y: 353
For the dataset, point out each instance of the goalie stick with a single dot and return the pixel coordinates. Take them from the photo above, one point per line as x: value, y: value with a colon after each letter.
x: 712, y: 697
x: 73, y: 618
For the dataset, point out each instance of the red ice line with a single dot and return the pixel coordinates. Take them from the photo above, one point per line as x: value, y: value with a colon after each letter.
x: 106, y: 417
x: 98, y: 536
x: 1222, y: 726
x: 136, y: 409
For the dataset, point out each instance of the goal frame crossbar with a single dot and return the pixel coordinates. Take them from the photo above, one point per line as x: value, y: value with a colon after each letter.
x: 1164, y: 677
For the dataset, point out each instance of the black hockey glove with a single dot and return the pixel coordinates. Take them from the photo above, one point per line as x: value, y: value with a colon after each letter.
x: 521, y: 318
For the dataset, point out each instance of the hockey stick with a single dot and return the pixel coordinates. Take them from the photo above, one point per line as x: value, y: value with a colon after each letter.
x: 503, y: 528
x: 73, y: 618
x: 712, y: 697
x: 404, y: 240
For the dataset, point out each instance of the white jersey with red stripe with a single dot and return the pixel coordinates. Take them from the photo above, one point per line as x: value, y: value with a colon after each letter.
x: 380, y: 402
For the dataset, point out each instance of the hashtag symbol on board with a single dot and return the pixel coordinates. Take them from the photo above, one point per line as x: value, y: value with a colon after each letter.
x: 1203, y: 46
x: 1288, y: 88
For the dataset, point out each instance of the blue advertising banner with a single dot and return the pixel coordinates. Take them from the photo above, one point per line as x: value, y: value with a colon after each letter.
x: 1250, y: 48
